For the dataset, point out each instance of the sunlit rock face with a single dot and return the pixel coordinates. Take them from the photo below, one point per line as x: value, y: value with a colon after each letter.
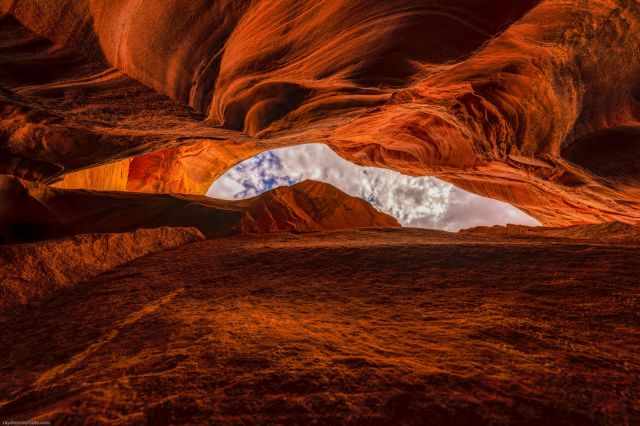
x: 533, y: 102
x: 310, y: 206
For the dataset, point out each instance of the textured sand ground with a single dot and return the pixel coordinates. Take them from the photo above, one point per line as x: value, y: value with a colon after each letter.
x: 359, y: 327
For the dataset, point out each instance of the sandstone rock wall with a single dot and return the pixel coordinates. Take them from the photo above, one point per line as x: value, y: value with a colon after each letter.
x: 533, y: 102
x: 311, y: 206
x: 29, y: 272
x: 31, y: 211
x: 609, y: 233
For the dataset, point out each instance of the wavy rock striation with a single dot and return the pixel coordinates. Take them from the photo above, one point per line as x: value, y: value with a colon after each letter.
x: 533, y: 102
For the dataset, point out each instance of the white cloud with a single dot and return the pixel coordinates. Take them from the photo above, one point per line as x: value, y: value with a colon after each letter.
x: 423, y: 202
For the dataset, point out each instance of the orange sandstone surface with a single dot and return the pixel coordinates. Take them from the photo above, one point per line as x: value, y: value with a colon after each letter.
x: 29, y: 272
x: 375, y: 327
x: 30, y: 211
x: 532, y: 102
x: 117, y: 115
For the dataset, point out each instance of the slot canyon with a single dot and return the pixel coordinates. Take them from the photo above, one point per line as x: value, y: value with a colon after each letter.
x: 327, y: 212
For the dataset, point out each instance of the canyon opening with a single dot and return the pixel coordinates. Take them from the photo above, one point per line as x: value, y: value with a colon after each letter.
x: 415, y: 202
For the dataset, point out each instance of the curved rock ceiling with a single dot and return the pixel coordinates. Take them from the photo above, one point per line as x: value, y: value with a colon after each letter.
x: 532, y: 102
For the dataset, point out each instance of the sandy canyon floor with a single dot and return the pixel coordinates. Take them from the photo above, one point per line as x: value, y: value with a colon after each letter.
x: 372, y: 327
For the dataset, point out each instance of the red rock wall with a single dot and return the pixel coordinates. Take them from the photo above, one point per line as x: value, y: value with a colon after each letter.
x: 29, y: 272
x: 532, y: 102
x: 31, y: 211
x: 311, y: 206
